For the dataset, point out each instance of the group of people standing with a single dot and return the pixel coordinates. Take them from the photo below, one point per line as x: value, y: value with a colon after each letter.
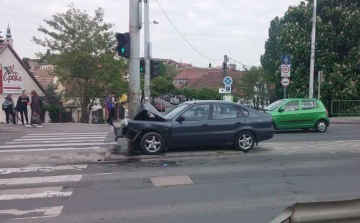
x: 21, y: 106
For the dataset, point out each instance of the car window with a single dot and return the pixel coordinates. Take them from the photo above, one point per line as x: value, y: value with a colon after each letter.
x: 176, y: 111
x: 292, y: 106
x: 245, y: 112
x: 274, y: 105
x: 305, y: 105
x: 224, y: 111
x: 196, y: 113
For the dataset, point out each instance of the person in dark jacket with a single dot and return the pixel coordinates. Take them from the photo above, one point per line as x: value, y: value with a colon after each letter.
x: 8, y: 107
x: 110, y: 105
x: 35, y: 105
x: 21, y: 105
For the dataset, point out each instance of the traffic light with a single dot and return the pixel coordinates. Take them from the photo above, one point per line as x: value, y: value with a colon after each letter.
x: 154, y: 69
x: 142, y: 66
x: 123, y: 47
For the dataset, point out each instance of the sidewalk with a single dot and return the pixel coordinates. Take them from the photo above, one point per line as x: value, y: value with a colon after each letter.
x: 345, y: 120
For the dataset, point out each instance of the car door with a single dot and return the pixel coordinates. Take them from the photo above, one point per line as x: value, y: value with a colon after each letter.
x: 308, y: 113
x: 193, y: 130
x: 288, y: 115
x: 226, y: 120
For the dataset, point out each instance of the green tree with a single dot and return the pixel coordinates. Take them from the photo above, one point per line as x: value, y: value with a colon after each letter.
x: 82, y: 49
x: 160, y: 86
x: 171, y: 71
x: 26, y: 62
x: 208, y: 94
x: 53, y: 106
x: 337, y: 49
x: 254, y: 87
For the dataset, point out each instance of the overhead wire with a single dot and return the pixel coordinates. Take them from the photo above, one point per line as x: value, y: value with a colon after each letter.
x: 177, y: 30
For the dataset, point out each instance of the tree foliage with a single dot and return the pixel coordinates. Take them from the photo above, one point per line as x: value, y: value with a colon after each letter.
x: 160, y: 86
x: 25, y: 60
x: 254, y: 85
x: 337, y: 48
x: 53, y: 106
x: 82, y: 49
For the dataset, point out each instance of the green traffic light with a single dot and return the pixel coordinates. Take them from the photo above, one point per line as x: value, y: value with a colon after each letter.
x: 141, y: 69
x: 122, y: 50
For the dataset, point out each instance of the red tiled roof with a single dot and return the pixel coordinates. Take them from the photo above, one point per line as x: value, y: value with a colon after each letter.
x: 43, y: 76
x: 191, y: 73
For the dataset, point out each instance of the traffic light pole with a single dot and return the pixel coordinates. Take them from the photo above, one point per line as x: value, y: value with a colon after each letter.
x: 134, y: 61
x: 147, y: 49
x: 312, y: 57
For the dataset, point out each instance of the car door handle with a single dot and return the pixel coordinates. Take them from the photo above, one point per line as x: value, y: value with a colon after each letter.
x: 238, y: 123
x: 205, y: 125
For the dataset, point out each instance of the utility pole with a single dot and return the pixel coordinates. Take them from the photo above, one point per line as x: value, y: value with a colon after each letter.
x: 312, y: 57
x: 225, y: 65
x: 134, y: 60
x: 147, y: 49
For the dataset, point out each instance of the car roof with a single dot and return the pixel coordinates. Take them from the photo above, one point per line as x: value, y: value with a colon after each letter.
x: 291, y: 99
x: 209, y: 101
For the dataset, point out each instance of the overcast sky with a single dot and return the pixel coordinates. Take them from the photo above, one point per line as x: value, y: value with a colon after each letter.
x: 238, y: 28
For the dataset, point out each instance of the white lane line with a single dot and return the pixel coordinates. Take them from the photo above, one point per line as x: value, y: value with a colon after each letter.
x: 55, y: 139
x: 171, y: 180
x: 65, y: 133
x: 46, y: 211
x: 39, y: 180
x: 4, y: 171
x: 42, y: 192
x: 60, y: 141
x: 57, y: 144
x: 62, y: 136
x: 49, y: 149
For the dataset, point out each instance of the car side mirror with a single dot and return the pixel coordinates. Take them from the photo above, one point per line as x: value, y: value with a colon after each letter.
x: 281, y: 109
x: 180, y: 119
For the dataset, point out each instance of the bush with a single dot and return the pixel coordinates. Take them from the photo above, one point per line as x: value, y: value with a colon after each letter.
x: 54, y: 113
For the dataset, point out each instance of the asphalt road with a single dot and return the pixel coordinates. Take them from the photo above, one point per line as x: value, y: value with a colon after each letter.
x: 293, y: 167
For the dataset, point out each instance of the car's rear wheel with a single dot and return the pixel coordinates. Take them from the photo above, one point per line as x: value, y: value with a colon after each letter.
x: 245, y: 141
x: 321, y: 126
x: 152, y: 143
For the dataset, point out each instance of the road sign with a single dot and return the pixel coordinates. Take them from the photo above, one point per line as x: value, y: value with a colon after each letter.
x: 227, y: 81
x: 285, y: 70
x: 286, y: 59
x: 226, y: 90
x: 228, y: 97
x: 285, y: 81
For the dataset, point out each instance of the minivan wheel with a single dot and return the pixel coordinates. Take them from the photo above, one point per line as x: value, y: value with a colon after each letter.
x: 245, y: 141
x: 152, y: 143
x: 321, y: 126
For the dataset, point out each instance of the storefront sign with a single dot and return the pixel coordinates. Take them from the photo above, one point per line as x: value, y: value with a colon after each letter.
x: 12, y: 81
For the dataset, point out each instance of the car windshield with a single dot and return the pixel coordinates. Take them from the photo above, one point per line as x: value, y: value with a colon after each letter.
x: 274, y: 105
x: 176, y: 111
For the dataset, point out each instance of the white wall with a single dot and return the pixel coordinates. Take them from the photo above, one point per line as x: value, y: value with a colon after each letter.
x: 7, y: 58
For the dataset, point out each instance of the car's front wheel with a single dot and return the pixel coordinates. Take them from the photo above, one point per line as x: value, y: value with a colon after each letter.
x: 245, y: 141
x: 152, y: 143
x: 321, y: 126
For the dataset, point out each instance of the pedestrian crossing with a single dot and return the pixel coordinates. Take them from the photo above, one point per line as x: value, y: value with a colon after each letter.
x: 57, y: 141
x: 24, y: 191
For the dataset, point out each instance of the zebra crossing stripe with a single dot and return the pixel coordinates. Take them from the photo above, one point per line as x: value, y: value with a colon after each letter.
x: 4, y: 171
x: 46, y: 211
x: 68, y: 141
x: 40, y: 180
x: 57, y: 145
x: 72, y: 133
x: 49, y: 149
x: 63, y: 136
x: 30, y: 193
x: 55, y: 139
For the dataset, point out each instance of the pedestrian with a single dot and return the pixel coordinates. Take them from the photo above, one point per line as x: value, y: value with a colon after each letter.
x: 8, y: 108
x: 110, y: 105
x: 22, y: 103
x: 35, y: 105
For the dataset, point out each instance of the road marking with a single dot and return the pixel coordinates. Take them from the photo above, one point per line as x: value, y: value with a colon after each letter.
x: 55, y: 139
x: 62, y: 136
x: 4, y: 171
x: 68, y: 141
x: 171, y: 180
x: 48, y: 150
x: 57, y: 144
x: 42, y: 192
x: 39, y: 180
x: 46, y: 211
x: 64, y: 133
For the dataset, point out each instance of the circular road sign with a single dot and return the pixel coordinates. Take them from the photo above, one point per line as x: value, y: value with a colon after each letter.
x: 285, y: 81
x: 228, y: 80
x: 285, y: 69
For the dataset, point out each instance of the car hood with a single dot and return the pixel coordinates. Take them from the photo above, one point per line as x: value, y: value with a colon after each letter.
x: 142, y: 113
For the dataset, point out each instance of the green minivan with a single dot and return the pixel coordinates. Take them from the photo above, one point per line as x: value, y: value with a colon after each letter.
x: 299, y: 113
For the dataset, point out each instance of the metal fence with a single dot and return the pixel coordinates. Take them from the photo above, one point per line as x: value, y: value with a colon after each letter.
x: 345, y: 107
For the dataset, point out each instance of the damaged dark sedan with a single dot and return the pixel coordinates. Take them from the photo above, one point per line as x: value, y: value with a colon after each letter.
x: 197, y: 123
